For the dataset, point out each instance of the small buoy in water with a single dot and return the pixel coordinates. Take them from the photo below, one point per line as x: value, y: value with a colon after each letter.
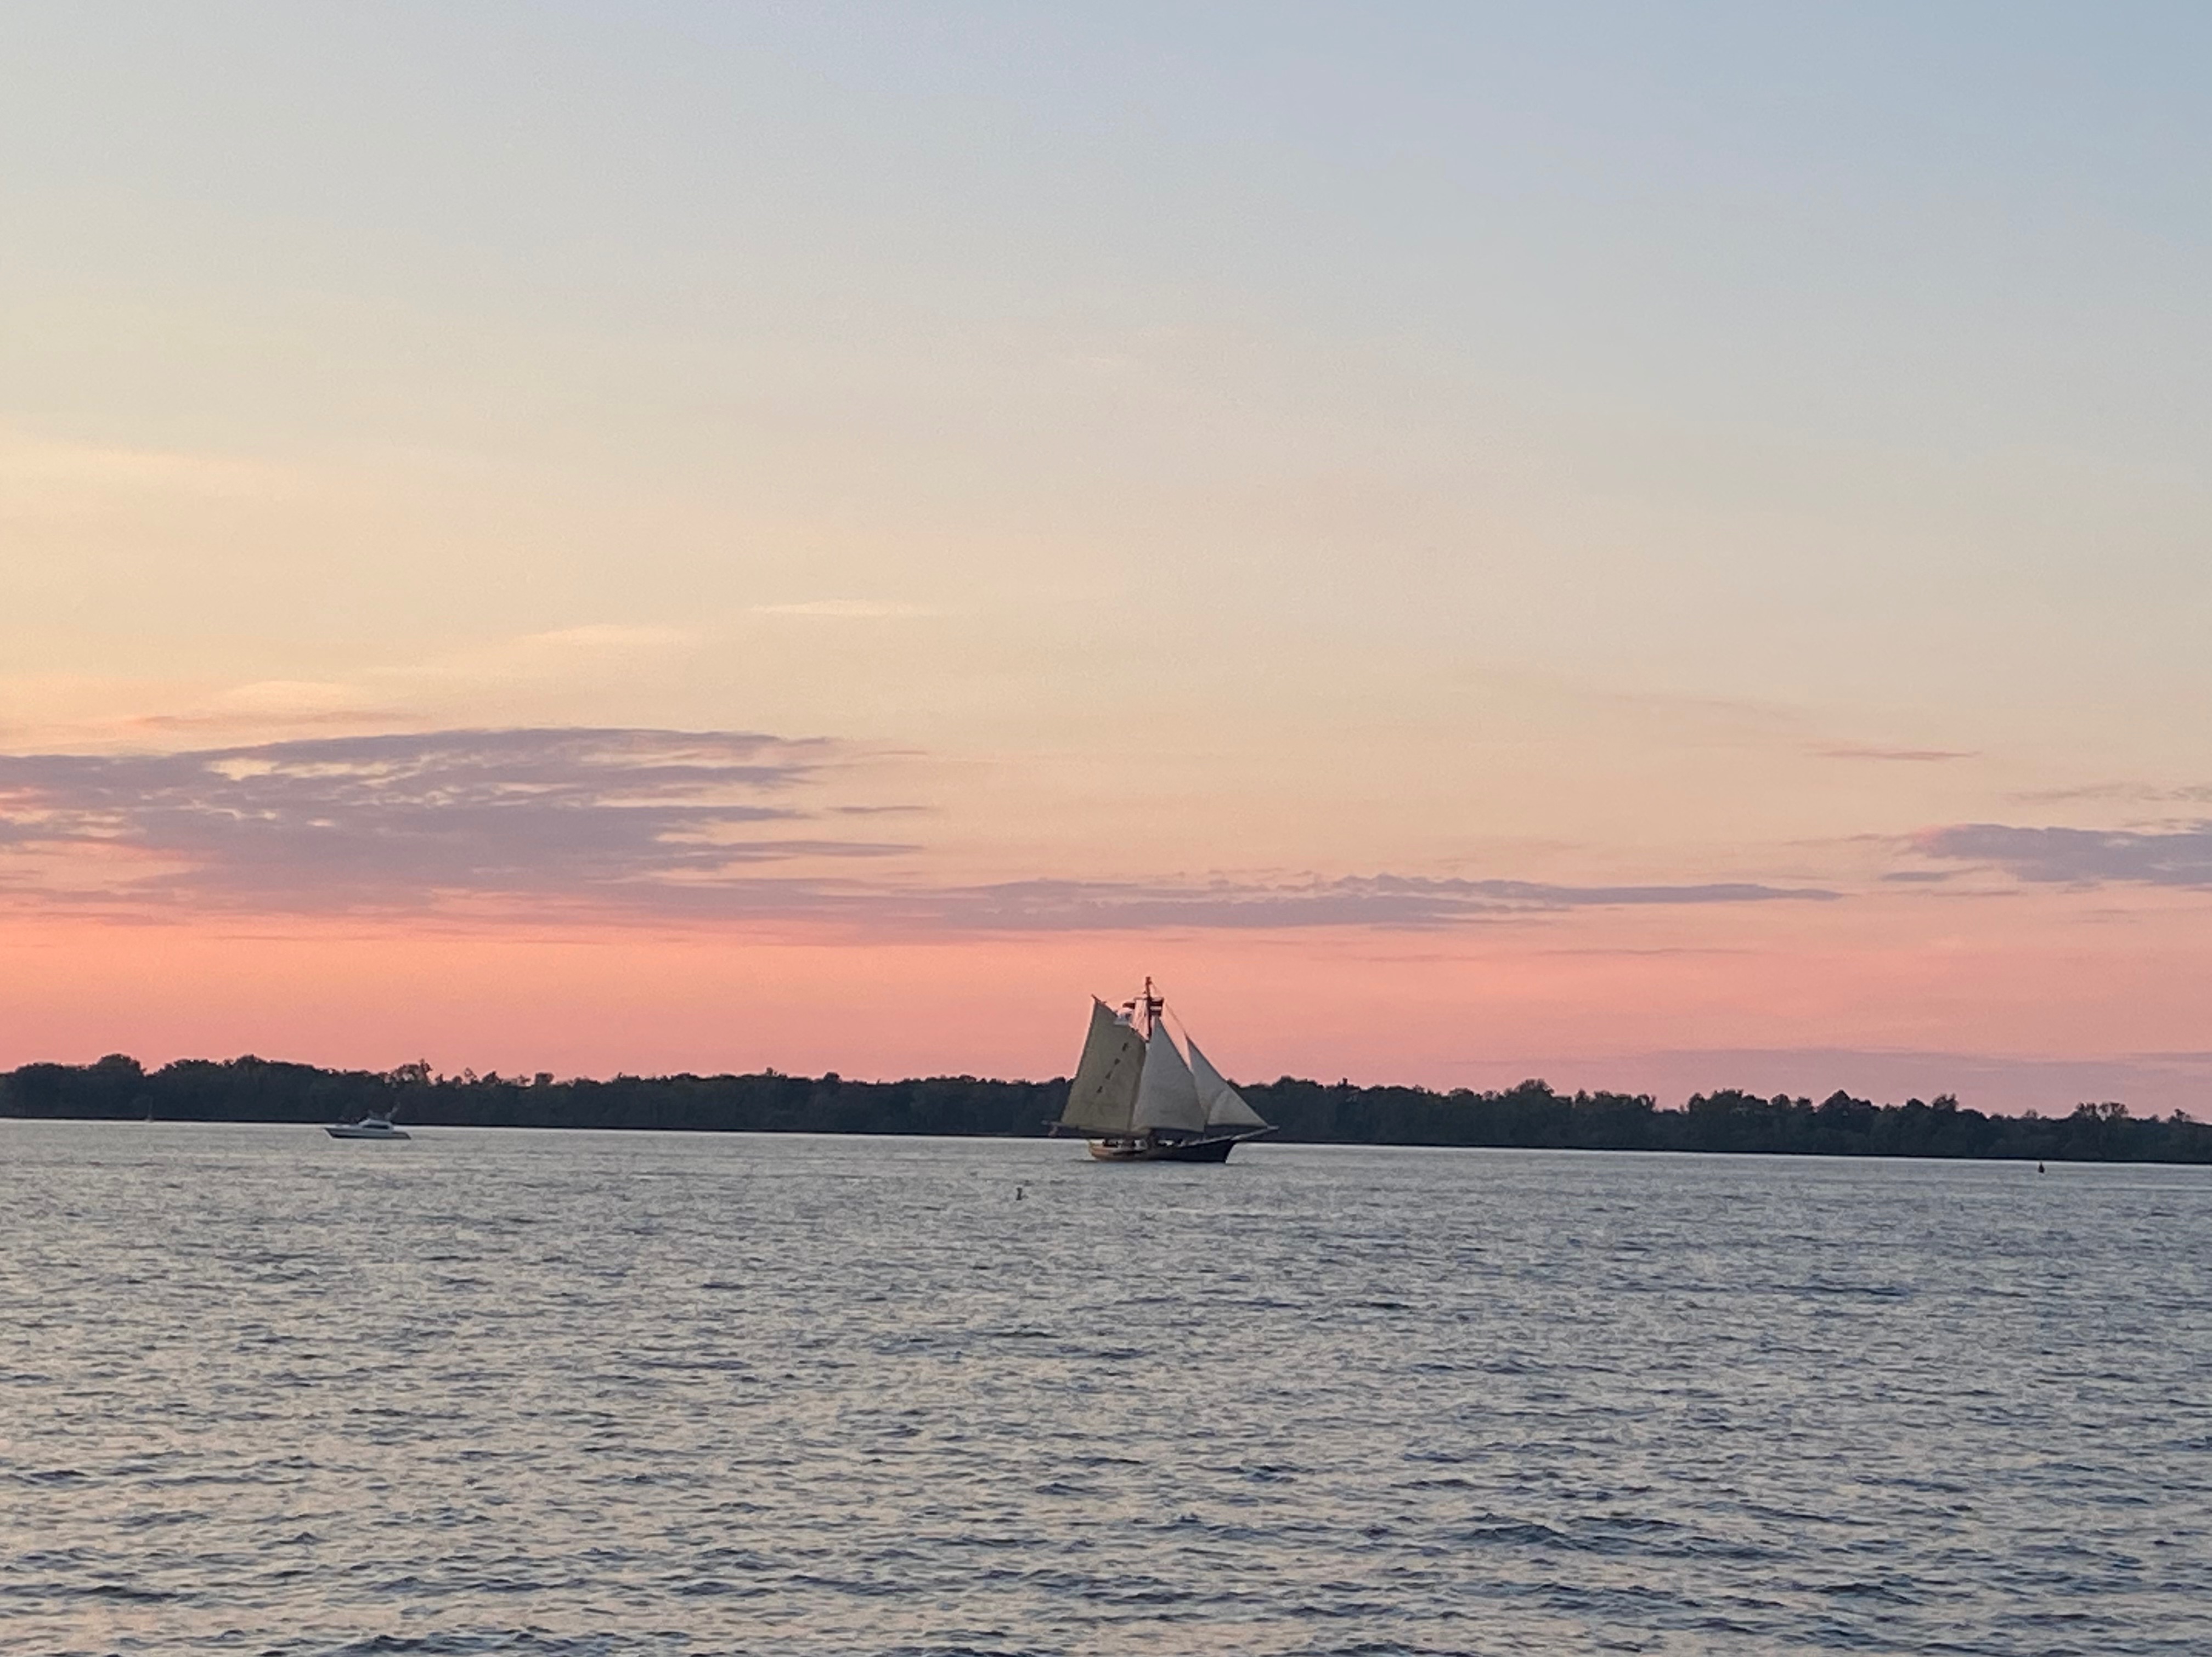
x: 1018, y: 1193
x: 2038, y: 1167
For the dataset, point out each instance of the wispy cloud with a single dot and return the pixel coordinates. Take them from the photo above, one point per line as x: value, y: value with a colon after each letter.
x: 1858, y: 750
x: 659, y: 824
x: 2145, y: 793
x: 2180, y: 856
x: 403, y: 821
x: 1380, y: 900
x: 522, y: 675
x: 845, y: 609
x: 37, y: 472
x: 557, y: 654
x: 267, y: 706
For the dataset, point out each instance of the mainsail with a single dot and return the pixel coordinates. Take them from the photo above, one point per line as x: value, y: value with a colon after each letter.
x: 1102, y: 1098
x: 1224, y: 1106
x: 1168, y: 1096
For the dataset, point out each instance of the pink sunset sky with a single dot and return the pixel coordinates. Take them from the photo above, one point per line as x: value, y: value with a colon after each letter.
x: 1655, y: 552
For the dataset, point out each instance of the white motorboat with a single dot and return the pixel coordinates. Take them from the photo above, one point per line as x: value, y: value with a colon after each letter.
x: 377, y: 1124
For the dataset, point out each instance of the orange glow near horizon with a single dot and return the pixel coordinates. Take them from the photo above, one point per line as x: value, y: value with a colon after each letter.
x: 1578, y: 999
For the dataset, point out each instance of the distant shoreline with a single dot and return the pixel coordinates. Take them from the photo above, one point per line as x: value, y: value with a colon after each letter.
x: 1531, y: 1116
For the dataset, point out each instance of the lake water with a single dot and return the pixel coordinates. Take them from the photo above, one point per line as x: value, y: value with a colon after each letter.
x: 264, y: 1391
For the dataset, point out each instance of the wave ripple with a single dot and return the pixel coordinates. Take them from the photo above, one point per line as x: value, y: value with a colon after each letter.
x: 592, y: 1395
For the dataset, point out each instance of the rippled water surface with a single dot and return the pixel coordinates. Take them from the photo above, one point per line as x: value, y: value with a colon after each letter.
x: 261, y: 1391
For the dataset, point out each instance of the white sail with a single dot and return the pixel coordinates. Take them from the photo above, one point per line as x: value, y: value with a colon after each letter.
x: 1224, y: 1106
x: 1103, y: 1096
x: 1168, y: 1097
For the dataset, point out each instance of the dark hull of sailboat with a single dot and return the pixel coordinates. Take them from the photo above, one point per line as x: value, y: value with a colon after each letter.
x: 1168, y: 1151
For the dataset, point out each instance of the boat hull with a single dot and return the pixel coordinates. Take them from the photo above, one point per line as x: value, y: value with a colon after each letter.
x: 1164, y: 1151
x: 343, y: 1130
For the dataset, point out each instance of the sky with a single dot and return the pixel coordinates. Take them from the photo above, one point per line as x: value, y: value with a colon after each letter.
x: 1657, y: 548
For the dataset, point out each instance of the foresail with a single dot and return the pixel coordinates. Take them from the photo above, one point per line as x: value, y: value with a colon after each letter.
x: 1104, y: 1095
x: 1168, y: 1097
x: 1224, y: 1106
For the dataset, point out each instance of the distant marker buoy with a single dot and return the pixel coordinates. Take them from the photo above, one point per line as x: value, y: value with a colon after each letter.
x: 2038, y: 1167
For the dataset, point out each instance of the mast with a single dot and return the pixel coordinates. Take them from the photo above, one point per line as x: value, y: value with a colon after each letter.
x: 1142, y: 1013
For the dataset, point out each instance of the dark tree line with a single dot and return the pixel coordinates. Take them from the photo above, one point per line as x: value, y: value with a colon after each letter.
x: 251, y: 1090
x: 1533, y: 1115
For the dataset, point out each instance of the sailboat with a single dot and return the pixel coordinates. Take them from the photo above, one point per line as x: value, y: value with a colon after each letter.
x: 1137, y: 1099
